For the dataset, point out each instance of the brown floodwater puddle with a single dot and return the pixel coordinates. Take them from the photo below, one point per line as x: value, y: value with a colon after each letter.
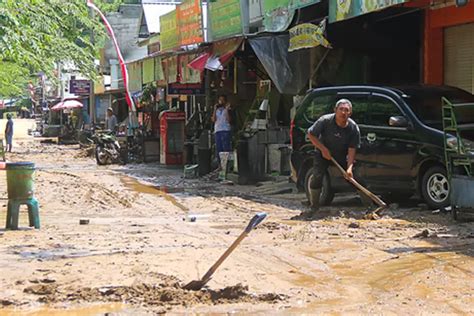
x: 162, y: 191
x: 92, y: 310
x: 362, y: 279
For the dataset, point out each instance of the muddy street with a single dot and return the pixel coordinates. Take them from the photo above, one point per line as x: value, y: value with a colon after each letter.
x: 148, y: 231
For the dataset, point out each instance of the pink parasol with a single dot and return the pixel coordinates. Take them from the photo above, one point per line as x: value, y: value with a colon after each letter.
x: 68, y: 104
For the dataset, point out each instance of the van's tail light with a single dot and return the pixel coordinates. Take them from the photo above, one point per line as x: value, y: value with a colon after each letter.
x: 292, y: 129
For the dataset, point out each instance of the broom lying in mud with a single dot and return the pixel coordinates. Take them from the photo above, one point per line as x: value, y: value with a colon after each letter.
x: 370, y: 214
x: 198, y: 284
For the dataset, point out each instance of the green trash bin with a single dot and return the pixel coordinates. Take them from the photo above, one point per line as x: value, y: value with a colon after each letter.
x: 20, y: 180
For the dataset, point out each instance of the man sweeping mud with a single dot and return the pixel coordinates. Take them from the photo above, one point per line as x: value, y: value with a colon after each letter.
x: 334, y: 136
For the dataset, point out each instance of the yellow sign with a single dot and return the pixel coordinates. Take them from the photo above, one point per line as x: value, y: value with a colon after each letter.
x: 99, y: 85
x: 308, y: 35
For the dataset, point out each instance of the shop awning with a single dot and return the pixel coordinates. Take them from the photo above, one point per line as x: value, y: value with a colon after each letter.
x: 289, y: 71
x: 199, y: 63
x: 217, y: 56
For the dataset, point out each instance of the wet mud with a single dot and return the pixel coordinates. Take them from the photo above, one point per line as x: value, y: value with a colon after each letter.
x: 136, y: 252
x: 169, y: 292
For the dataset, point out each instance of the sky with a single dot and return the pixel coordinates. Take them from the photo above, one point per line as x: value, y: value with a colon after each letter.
x: 153, y: 13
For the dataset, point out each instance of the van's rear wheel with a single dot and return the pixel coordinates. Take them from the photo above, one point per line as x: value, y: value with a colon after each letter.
x: 327, y: 194
x: 435, y: 187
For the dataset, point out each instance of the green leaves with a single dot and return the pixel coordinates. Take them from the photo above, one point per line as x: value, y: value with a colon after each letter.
x: 36, y: 34
x: 13, y: 79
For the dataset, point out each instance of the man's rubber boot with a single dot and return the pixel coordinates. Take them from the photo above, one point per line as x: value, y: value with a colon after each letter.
x: 314, y: 196
x: 306, y: 203
x: 313, y: 203
x: 314, y: 199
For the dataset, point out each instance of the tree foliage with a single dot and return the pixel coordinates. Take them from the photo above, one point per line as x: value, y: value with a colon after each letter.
x: 35, y: 34
x: 13, y: 79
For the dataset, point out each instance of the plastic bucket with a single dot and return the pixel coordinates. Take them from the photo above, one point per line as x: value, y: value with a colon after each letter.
x: 20, y: 180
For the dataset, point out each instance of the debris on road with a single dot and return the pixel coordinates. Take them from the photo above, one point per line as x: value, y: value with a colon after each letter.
x: 41, y: 289
x: 354, y: 225
x: 6, y: 303
x: 424, y: 234
x: 164, y: 294
x: 371, y: 216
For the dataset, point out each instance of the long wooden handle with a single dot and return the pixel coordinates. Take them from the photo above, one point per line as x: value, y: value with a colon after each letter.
x: 216, y: 265
x: 359, y: 186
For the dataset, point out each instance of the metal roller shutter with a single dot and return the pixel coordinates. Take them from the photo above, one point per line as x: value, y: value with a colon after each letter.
x: 459, y: 56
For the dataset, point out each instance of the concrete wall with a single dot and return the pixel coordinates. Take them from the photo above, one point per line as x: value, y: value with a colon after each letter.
x: 125, y: 24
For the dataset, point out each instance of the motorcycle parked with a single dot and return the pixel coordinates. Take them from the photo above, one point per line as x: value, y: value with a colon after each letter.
x: 107, y: 148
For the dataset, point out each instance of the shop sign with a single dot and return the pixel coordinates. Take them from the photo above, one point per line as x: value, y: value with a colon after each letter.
x: 226, y: 20
x: 278, y: 14
x: 99, y: 86
x: 148, y: 70
x: 308, y: 35
x: 186, y: 89
x: 169, y: 33
x: 345, y: 9
x: 189, y: 14
x: 79, y: 87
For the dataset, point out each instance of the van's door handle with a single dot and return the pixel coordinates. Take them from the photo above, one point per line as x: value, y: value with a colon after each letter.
x: 371, y: 137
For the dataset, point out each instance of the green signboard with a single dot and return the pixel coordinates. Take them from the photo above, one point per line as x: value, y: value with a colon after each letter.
x: 169, y: 35
x: 159, y: 74
x: 271, y: 5
x: 135, y: 76
x: 226, y: 20
x: 148, y: 70
x: 345, y: 9
x: 278, y: 14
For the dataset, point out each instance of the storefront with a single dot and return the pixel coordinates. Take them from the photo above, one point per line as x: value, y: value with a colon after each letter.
x: 375, y: 42
x: 449, y: 46
x: 147, y: 85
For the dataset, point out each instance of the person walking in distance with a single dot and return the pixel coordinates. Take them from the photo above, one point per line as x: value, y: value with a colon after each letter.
x: 222, y: 127
x: 9, y: 133
x: 111, y: 120
x: 334, y: 135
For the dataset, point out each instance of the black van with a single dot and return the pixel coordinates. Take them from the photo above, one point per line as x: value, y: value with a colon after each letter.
x: 401, y: 151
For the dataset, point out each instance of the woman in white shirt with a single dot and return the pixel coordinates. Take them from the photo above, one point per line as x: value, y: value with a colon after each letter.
x: 222, y: 127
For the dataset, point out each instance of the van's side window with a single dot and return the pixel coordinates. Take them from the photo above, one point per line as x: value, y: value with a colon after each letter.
x: 380, y: 111
x: 319, y: 105
x: 360, y: 106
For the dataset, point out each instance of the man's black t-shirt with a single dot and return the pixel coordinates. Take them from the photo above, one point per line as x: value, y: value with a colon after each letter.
x: 337, y: 139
